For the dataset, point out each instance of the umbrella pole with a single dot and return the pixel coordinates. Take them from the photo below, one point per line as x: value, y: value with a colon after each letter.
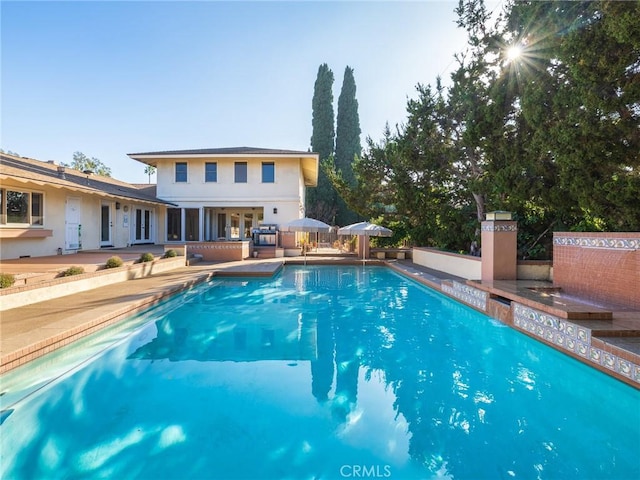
x: 365, y: 240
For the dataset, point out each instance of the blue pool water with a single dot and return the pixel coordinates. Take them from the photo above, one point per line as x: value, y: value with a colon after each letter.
x: 321, y: 372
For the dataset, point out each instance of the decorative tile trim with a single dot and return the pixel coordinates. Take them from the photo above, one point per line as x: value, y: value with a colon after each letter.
x: 469, y: 295
x: 572, y: 338
x: 537, y: 316
x: 215, y: 247
x: 492, y: 227
x: 597, y: 242
x: 582, y: 349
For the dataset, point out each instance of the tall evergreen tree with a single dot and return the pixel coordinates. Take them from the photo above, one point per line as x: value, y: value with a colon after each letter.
x: 347, y: 140
x: 321, y: 200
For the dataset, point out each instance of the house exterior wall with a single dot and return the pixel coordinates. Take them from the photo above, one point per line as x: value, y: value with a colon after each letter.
x: 41, y: 240
x: 286, y: 185
x: 17, y: 240
x: 278, y: 202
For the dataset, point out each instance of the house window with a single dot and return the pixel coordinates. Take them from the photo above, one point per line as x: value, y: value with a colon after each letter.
x: 181, y: 172
x: 37, y: 212
x: 268, y: 172
x: 234, y: 227
x: 174, y: 224
x: 20, y: 207
x: 210, y: 172
x: 241, y: 172
x: 248, y: 223
x: 192, y: 224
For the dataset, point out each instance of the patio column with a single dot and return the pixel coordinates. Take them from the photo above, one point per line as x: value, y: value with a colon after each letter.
x: 499, y: 247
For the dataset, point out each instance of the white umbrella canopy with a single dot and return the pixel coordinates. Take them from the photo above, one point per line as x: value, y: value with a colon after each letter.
x: 365, y: 228
x: 307, y: 225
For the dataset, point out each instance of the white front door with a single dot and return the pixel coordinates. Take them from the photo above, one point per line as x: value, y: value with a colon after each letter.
x: 73, y: 234
x: 106, y: 225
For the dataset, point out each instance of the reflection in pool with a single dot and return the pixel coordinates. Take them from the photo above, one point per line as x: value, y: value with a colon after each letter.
x: 322, y: 372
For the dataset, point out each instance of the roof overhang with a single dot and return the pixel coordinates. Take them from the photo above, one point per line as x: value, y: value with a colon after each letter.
x: 73, y: 188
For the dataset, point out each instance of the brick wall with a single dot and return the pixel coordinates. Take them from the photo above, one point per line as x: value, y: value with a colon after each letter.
x: 599, y: 266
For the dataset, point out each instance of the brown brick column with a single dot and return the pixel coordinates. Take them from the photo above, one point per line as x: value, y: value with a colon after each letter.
x: 499, y: 247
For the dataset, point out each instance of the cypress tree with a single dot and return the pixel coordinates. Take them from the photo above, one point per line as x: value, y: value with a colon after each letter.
x: 347, y: 140
x: 321, y: 200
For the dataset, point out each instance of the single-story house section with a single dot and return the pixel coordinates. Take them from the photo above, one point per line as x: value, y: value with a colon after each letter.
x: 224, y: 194
x: 46, y: 209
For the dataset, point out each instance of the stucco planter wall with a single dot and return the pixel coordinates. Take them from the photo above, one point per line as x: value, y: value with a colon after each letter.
x: 463, y: 266
x: 63, y: 286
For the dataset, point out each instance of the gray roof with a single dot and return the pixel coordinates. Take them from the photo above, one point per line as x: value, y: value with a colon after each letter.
x: 45, y: 173
x: 228, y: 151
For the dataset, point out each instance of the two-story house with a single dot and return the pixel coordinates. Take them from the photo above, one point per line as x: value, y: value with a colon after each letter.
x: 201, y: 196
x: 225, y: 193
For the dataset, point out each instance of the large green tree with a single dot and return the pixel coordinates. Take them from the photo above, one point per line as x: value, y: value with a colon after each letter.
x: 406, y: 180
x: 321, y: 200
x: 580, y: 95
x: 348, y: 146
x: 83, y: 163
x: 552, y: 135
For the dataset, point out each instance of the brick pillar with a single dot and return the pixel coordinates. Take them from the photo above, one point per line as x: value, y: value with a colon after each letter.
x: 499, y: 247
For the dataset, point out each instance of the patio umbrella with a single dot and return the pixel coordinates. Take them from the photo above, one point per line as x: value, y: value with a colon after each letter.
x: 307, y: 225
x: 365, y: 229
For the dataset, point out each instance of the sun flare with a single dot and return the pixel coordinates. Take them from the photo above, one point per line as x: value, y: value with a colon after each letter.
x: 514, y: 52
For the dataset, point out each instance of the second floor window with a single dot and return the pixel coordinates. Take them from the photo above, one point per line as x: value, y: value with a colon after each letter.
x: 268, y: 172
x: 210, y: 172
x: 241, y: 172
x: 181, y: 172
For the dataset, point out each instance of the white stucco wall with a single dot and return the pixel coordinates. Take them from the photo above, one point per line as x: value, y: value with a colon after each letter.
x: 285, y: 187
x: 54, y: 203
x: 286, y: 194
x: 459, y: 265
x: 53, y: 212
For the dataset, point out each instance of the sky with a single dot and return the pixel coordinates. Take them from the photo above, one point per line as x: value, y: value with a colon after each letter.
x: 118, y: 77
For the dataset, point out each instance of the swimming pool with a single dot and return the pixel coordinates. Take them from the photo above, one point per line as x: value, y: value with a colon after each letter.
x: 320, y: 372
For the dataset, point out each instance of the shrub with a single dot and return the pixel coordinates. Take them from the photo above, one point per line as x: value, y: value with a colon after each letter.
x: 147, y: 257
x: 170, y: 253
x: 74, y: 270
x: 114, y: 262
x: 7, y: 280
